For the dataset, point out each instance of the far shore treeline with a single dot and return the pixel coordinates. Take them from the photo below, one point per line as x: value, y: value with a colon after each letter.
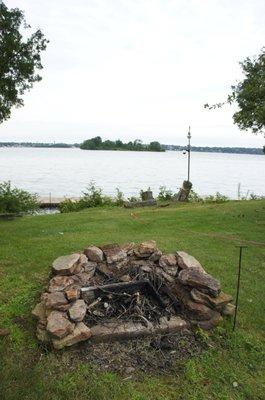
x: 134, y: 146
x: 97, y: 143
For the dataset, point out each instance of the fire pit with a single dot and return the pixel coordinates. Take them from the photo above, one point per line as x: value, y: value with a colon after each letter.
x: 117, y: 292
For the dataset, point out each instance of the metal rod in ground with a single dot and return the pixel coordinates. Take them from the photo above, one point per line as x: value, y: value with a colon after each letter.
x: 189, y: 137
x: 238, y: 283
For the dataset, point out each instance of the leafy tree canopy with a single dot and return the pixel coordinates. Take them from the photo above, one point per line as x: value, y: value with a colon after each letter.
x: 20, y: 58
x: 96, y: 143
x: 249, y: 95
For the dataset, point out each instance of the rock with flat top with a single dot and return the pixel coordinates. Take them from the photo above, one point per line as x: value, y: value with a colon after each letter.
x: 186, y: 261
x: 94, y: 253
x: 113, y: 253
x: 55, y: 301
x: 66, y: 265
x: 39, y: 312
x: 60, y: 283
x: 128, y: 248
x: 145, y: 249
x: 77, y: 311
x: 58, y: 325
x: 216, y: 303
x: 80, y: 333
x: 169, y: 264
x: 201, y: 281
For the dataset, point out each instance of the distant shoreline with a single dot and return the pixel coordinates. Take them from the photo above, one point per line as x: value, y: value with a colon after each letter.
x: 201, y: 149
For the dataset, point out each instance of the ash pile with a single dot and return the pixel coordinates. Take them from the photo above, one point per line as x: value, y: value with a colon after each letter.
x: 117, y: 292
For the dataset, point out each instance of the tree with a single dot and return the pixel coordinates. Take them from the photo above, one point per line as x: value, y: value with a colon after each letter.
x: 249, y: 95
x: 155, y: 146
x: 19, y: 60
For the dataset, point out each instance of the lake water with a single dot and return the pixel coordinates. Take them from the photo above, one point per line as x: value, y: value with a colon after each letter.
x: 66, y: 172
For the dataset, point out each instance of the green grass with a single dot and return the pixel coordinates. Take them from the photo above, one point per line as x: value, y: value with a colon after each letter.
x: 209, y: 232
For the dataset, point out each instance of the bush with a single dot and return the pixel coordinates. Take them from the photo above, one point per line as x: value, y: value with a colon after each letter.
x: 14, y: 200
x: 217, y: 198
x: 164, y: 194
x: 119, y: 199
x: 194, y: 197
x: 69, y: 205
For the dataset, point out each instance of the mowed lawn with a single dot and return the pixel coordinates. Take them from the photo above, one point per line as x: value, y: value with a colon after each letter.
x: 233, y: 368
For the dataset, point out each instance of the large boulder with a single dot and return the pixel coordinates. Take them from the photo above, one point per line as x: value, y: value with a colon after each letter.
x: 58, y: 325
x: 186, y: 261
x: 169, y: 264
x: 60, y: 283
x: 113, y: 253
x: 201, y: 281
x: 77, y: 311
x: 145, y: 249
x: 216, y: 303
x: 66, y: 265
x: 94, y: 253
x: 80, y: 333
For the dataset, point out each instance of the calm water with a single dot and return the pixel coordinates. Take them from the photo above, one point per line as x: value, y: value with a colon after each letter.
x: 68, y: 171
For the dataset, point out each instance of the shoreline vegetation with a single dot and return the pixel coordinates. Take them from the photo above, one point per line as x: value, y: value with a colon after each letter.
x: 136, y: 146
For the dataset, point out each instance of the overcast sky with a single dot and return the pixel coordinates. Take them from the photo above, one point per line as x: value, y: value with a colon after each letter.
x: 138, y: 69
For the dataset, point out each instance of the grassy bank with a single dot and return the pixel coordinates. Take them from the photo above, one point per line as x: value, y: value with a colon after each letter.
x: 209, y: 232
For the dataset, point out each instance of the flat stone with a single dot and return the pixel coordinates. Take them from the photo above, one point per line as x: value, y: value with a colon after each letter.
x: 113, y: 253
x: 72, y: 293
x: 80, y: 333
x: 201, y: 281
x: 186, y: 261
x: 39, y: 312
x: 145, y: 249
x: 58, y: 325
x: 60, y: 283
x: 77, y: 311
x: 169, y: 264
x: 196, y: 311
x: 66, y: 265
x: 214, y: 302
x: 94, y: 253
x: 55, y: 301
x: 111, y: 331
x: 229, y: 309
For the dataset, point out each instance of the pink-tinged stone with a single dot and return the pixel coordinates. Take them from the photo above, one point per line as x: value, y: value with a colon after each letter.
x: 229, y: 309
x: 60, y: 283
x: 58, y: 325
x: 214, y: 302
x: 55, y: 301
x: 80, y: 333
x: 94, y: 253
x: 72, y: 293
x: 201, y: 281
x: 113, y: 253
x: 169, y: 264
x: 145, y: 249
x: 77, y: 311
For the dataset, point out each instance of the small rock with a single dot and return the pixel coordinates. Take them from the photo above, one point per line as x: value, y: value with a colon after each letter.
x: 128, y: 248
x: 66, y: 265
x: 55, y: 301
x: 80, y: 333
x: 42, y: 334
x: 113, y: 253
x: 60, y: 283
x: 78, y: 311
x: 82, y: 278
x: 169, y: 264
x: 4, y: 332
x: 94, y: 253
x: 39, y: 312
x: 214, y: 302
x: 125, y: 278
x: 145, y: 249
x: 229, y: 309
x: 72, y: 293
x: 202, y: 281
x: 155, y: 256
x: 235, y: 384
x: 186, y: 261
x: 58, y: 325
x: 89, y: 267
x: 211, y: 323
x: 129, y: 370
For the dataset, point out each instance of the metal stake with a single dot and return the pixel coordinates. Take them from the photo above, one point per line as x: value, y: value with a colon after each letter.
x: 188, y: 149
x: 238, y: 282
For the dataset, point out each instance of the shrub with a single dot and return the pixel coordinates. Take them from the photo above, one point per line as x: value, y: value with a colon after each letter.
x: 14, y: 200
x: 69, y: 205
x: 164, y: 194
x: 119, y: 199
x: 194, y: 197
x: 217, y: 198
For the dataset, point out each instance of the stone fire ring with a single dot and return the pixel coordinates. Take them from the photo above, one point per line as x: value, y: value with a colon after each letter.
x: 117, y: 292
